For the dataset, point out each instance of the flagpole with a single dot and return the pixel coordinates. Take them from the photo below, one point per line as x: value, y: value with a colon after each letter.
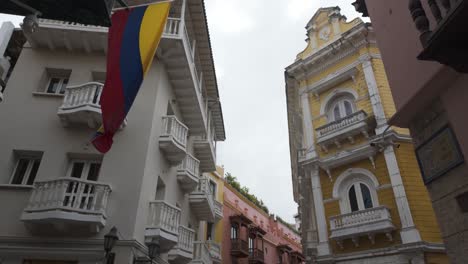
x: 147, y: 4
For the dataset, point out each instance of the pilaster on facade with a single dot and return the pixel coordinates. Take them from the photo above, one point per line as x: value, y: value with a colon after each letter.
x: 323, y: 247
x: 409, y: 233
x: 374, y: 94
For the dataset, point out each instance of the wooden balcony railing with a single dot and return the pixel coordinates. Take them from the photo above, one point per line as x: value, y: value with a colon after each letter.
x: 442, y: 41
x: 256, y: 255
x: 239, y: 247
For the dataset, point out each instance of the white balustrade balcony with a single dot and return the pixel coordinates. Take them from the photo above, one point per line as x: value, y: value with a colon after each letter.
x: 201, y: 253
x: 202, y: 202
x: 178, y: 50
x: 182, y: 253
x: 205, y: 150
x: 163, y: 224
x: 215, y: 251
x: 188, y: 173
x: 81, y: 105
x: 173, y: 139
x: 67, y: 205
x: 218, y: 210
x: 344, y: 129
x: 361, y: 223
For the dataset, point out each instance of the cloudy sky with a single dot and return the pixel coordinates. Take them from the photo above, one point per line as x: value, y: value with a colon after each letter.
x: 253, y: 41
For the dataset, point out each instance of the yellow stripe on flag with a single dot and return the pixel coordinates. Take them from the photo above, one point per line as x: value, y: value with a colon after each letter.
x: 151, y: 31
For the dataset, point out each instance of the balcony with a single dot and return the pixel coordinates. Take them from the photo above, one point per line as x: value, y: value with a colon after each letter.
x: 202, y: 202
x: 188, y: 63
x: 163, y: 225
x: 256, y: 256
x: 344, y: 129
x: 81, y: 105
x: 361, y: 223
x: 205, y: 150
x: 215, y: 251
x: 173, y: 140
x: 67, y: 205
x: 182, y: 253
x: 201, y: 253
x: 188, y: 173
x: 239, y: 248
x: 218, y: 210
x: 442, y: 42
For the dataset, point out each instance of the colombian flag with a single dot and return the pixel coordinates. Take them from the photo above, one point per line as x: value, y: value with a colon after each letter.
x: 133, y: 39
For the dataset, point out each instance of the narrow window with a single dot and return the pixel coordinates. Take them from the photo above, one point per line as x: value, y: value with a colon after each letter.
x: 336, y: 112
x: 348, y: 108
x: 234, y: 234
x: 209, y: 231
x: 366, y: 196
x: 213, y: 189
x: 25, y: 170
x: 353, y: 200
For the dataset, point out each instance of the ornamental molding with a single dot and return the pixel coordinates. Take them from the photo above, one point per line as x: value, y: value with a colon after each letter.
x: 333, y: 94
x: 365, y: 151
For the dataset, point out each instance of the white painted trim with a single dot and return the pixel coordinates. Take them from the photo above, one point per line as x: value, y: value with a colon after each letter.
x: 333, y: 79
x: 308, y: 127
x: 374, y: 95
x: 409, y: 233
x: 349, y: 173
x: 332, y: 95
x: 323, y: 247
x: 349, y: 178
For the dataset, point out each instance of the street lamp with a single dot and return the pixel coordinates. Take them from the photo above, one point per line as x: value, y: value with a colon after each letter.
x: 109, y: 242
x: 153, y: 251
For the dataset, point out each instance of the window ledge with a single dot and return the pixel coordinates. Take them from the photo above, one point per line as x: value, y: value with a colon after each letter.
x: 47, y: 94
x: 16, y: 186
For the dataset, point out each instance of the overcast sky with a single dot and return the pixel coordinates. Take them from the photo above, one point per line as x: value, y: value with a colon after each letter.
x: 253, y: 41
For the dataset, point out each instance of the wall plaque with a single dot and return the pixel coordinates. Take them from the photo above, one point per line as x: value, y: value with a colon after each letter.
x: 439, y: 154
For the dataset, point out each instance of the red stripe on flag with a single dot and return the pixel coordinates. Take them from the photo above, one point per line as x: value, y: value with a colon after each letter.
x: 112, y: 98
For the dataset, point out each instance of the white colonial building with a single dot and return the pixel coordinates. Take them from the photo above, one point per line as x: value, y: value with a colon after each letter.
x: 59, y: 197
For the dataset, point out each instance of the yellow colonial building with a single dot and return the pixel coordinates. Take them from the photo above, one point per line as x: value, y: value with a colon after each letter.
x: 213, y: 230
x: 360, y: 194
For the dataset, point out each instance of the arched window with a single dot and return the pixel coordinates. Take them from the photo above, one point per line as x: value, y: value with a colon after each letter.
x: 359, y: 197
x: 340, y: 107
x: 356, y: 189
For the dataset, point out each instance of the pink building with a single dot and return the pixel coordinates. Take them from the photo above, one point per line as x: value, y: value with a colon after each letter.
x: 252, y: 236
x: 424, y: 48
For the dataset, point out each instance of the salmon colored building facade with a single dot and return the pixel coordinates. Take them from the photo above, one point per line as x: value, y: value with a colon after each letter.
x: 252, y: 236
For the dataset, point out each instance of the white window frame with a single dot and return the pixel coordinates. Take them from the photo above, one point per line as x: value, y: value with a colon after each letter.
x: 60, y: 85
x: 215, y: 194
x: 359, y: 197
x: 352, y: 176
x: 340, y: 102
x: 86, y: 167
x: 27, y: 173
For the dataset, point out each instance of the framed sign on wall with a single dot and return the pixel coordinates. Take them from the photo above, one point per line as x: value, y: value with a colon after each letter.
x: 439, y: 154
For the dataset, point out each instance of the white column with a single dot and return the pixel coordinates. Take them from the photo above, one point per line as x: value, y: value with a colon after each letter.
x: 409, y: 233
x: 374, y: 95
x: 323, y: 248
x: 307, y: 126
